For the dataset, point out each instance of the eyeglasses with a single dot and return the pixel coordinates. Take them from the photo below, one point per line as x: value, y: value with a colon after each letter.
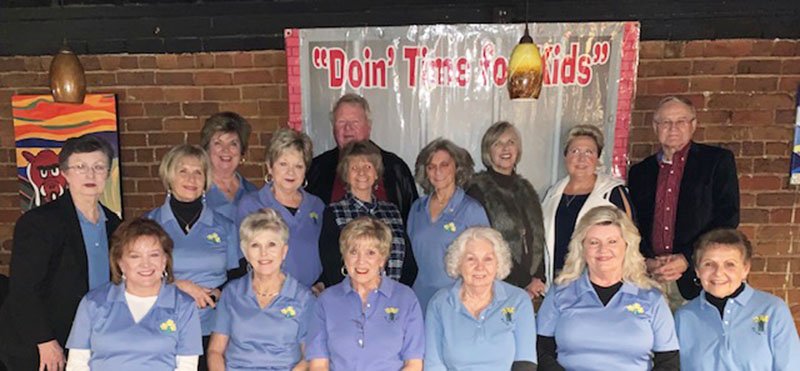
x: 680, y: 123
x: 575, y: 152
x: 84, y: 169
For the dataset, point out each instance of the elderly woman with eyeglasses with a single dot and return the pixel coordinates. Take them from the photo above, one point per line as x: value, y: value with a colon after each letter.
x: 731, y: 325
x: 206, y: 246
x: 584, y: 188
x: 288, y: 157
x: 366, y: 322
x: 480, y: 322
x: 437, y: 218
x: 603, y: 311
x: 60, y: 253
x: 224, y: 137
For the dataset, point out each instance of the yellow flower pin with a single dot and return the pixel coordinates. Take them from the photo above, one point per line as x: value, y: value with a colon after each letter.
x: 313, y: 215
x: 761, y: 322
x: 214, y: 237
x: 450, y: 227
x: 391, y: 313
x: 635, y: 308
x: 168, y: 326
x: 289, y: 312
x: 508, y: 313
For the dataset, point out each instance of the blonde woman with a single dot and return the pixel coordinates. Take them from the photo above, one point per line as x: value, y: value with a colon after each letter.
x: 602, y: 290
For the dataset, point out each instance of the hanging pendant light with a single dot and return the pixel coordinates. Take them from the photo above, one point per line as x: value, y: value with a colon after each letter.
x: 67, y: 80
x: 525, y: 69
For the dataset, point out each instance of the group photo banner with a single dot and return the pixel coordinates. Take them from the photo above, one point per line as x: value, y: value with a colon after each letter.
x: 425, y: 82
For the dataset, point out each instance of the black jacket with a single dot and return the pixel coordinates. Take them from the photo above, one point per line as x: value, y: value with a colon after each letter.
x: 397, y: 179
x: 49, y: 276
x: 708, y: 199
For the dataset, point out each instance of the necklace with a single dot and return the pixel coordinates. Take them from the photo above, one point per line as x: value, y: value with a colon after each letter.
x: 570, y: 198
x: 269, y: 292
x: 189, y: 224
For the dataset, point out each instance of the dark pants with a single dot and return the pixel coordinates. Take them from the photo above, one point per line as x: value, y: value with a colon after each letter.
x: 202, y: 363
x: 14, y: 363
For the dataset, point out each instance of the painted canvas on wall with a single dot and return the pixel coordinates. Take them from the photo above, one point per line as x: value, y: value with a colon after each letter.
x: 41, y: 127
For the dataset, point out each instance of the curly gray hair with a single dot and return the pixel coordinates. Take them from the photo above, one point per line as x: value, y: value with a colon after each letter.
x: 452, y: 260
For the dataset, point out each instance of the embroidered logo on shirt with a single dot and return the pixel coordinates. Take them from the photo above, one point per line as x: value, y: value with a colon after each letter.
x: 635, y: 308
x: 168, y: 326
x: 288, y: 312
x: 508, y: 314
x: 761, y: 323
x: 391, y: 313
x: 314, y: 215
x: 214, y: 237
x: 450, y: 227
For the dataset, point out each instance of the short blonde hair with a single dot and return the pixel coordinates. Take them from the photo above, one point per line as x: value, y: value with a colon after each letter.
x: 362, y: 148
x: 366, y: 228
x: 284, y: 139
x: 170, y: 162
x: 452, y: 260
x: 265, y: 219
x: 491, y: 136
x: 634, y: 270
x: 590, y: 131
x: 462, y: 159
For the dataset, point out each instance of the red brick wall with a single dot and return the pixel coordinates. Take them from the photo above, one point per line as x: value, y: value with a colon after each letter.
x: 744, y: 91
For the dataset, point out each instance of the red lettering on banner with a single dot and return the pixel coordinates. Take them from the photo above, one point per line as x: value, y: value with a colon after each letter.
x: 366, y: 73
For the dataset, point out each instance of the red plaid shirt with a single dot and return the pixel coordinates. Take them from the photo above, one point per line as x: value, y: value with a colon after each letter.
x: 667, y: 190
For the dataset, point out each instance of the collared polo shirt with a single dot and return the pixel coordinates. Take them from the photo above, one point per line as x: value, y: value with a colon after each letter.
x: 619, y: 336
x: 504, y: 332
x: 380, y: 335
x: 268, y: 338
x: 229, y: 208
x: 302, y: 261
x: 203, y: 256
x: 430, y: 239
x: 104, y: 325
x: 95, y: 240
x: 756, y: 332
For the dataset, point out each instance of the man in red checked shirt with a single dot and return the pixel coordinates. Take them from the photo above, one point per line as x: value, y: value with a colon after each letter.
x: 681, y: 192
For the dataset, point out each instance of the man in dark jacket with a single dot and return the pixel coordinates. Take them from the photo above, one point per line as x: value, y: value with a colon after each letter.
x: 681, y: 192
x: 351, y: 121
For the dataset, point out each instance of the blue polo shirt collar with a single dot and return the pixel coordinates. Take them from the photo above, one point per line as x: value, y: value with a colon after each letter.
x: 385, y: 287
x: 499, y: 293
x: 584, y: 285
x: 289, y: 289
x: 741, y: 300
x: 166, y: 295
x: 166, y: 214
x: 458, y: 196
x: 100, y: 220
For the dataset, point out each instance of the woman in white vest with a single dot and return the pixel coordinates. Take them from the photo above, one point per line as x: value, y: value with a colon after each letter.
x: 581, y: 190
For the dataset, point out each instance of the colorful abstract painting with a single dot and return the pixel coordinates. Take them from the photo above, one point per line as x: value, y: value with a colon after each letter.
x: 41, y: 127
x: 794, y: 177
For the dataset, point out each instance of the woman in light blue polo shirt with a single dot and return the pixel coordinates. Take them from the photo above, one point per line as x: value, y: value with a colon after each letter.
x: 604, y: 312
x: 225, y: 136
x: 140, y: 320
x: 732, y: 326
x: 435, y: 220
x: 288, y: 157
x: 206, y: 246
x: 261, y: 317
x: 480, y: 322
x: 367, y: 321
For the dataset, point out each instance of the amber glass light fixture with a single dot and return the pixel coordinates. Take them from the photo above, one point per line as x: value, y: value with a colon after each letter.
x: 525, y: 69
x: 67, y: 80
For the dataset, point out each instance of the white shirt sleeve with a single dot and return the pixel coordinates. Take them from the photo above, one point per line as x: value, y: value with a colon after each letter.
x: 78, y: 360
x: 185, y: 363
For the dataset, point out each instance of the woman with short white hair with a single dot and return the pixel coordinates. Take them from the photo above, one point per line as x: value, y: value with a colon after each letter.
x: 604, y: 290
x: 480, y: 322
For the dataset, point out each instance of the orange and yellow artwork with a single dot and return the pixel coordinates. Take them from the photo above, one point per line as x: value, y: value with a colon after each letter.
x: 41, y: 126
